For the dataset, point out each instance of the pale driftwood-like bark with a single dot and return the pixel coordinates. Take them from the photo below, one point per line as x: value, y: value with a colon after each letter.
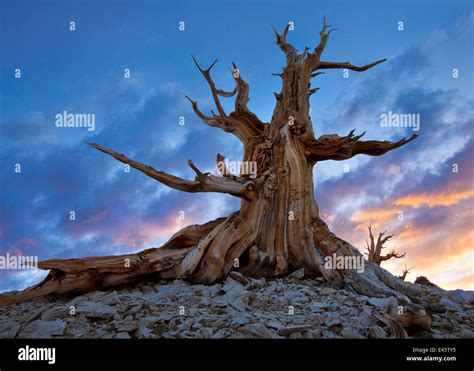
x: 396, y: 329
x: 277, y: 229
x: 414, y: 316
x: 92, y: 273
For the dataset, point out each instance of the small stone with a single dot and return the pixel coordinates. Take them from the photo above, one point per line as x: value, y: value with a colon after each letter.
x: 451, y: 305
x: 295, y: 335
x: 257, y: 329
x: 239, y: 320
x: 147, y: 288
x: 122, y: 335
x: 96, y: 295
x: 144, y: 332
x: 258, y: 283
x: 462, y: 296
x: 150, y: 321
x: 9, y: 329
x: 135, y: 310
x: 327, y: 291
x: 230, y: 285
x: 351, y: 333
x: 206, y: 332
x: 127, y: 327
x: 285, y: 331
x: 338, y: 284
x: 318, y: 306
x: 388, y: 305
x: 55, y: 312
x: 92, y: 309
x: 239, y: 277
x: 112, y: 298
x: 35, y: 315
x: 274, y: 325
x: 465, y: 334
x: 298, y: 274
x: 332, y: 319
x: 43, y: 329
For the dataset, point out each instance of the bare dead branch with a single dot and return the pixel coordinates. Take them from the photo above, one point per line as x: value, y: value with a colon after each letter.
x: 391, y: 255
x: 313, y: 60
x: 205, y: 182
x: 241, y: 122
x: 347, y: 65
x: 324, y: 37
x: 214, y: 91
x: 286, y: 47
x: 215, y: 120
x: 227, y: 94
x: 199, y: 175
x: 334, y: 147
x: 251, y: 122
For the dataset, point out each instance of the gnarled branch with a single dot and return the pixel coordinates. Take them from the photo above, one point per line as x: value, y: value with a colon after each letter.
x: 202, y: 183
x: 324, y: 37
x: 313, y: 60
x: 391, y: 255
x: 347, y: 65
x: 287, y: 48
x: 215, y: 95
x: 214, y: 121
x: 241, y: 111
x: 335, y: 147
x: 241, y: 122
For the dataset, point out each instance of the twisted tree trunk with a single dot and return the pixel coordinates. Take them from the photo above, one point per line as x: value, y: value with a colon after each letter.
x: 277, y: 229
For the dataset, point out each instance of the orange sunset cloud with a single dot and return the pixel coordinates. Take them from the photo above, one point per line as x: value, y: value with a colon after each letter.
x: 431, y: 200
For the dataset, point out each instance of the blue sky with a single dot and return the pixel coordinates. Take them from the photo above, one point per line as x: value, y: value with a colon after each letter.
x: 117, y: 212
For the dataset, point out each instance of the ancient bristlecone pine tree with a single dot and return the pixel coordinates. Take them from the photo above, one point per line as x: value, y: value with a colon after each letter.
x: 261, y: 235
x: 374, y: 249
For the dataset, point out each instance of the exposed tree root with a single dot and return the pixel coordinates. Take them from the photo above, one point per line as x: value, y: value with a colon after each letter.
x: 92, y: 273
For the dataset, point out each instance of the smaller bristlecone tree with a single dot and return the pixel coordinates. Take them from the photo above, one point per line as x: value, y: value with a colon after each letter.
x: 404, y: 273
x: 374, y: 249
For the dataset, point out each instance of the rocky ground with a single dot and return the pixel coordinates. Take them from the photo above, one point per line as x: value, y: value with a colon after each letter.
x: 239, y: 307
